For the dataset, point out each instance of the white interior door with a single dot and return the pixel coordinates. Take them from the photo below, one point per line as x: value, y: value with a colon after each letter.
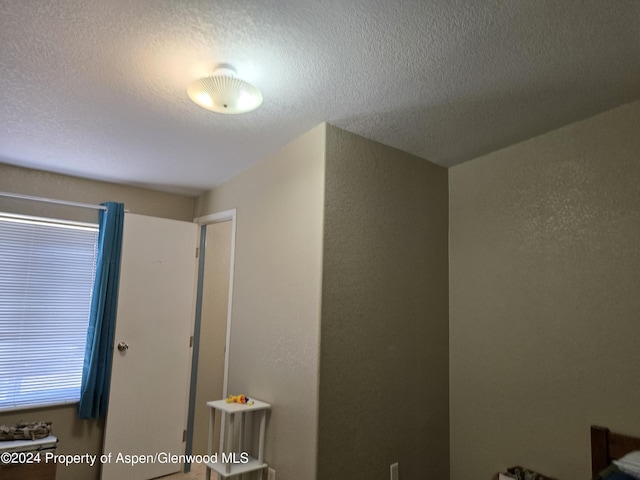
x: 149, y: 383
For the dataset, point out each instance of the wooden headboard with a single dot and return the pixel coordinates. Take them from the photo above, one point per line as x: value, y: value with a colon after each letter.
x: 607, y: 446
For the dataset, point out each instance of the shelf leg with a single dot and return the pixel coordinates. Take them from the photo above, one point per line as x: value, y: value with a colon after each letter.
x: 229, y: 447
x: 263, y: 422
x: 241, y: 439
x: 212, y: 420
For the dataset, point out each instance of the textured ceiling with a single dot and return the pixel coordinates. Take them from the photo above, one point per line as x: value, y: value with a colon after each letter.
x: 97, y: 89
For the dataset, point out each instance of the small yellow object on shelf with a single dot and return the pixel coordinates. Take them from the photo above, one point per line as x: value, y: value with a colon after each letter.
x: 239, y: 399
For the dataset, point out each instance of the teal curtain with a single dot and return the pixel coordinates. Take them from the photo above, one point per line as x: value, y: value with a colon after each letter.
x: 96, y: 373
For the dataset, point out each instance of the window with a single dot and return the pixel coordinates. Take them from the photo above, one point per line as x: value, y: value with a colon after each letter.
x: 47, y: 271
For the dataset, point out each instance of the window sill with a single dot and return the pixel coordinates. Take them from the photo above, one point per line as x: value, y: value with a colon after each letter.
x: 24, y: 408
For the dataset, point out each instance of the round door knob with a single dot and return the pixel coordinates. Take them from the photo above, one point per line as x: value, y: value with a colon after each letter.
x: 123, y: 346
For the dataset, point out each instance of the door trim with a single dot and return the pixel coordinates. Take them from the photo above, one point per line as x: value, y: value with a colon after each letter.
x: 227, y: 215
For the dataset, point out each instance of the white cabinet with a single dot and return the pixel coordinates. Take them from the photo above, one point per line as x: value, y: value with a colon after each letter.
x: 233, y: 459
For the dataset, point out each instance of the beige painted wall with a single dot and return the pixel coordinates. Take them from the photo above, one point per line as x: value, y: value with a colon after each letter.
x: 78, y: 436
x: 213, y: 330
x: 384, y: 355
x: 544, y: 304
x: 276, y: 294
x: 61, y: 187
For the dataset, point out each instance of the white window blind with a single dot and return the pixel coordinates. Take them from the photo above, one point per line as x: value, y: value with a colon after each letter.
x: 47, y: 271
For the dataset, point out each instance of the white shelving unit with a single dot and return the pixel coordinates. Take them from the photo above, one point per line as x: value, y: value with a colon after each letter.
x: 242, y: 463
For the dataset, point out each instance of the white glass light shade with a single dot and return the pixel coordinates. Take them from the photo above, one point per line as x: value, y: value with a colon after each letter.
x: 225, y: 94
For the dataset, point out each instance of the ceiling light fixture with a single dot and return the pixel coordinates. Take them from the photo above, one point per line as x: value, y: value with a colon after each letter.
x: 223, y: 92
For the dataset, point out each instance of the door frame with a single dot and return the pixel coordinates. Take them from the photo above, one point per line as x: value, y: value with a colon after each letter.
x: 224, y: 216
